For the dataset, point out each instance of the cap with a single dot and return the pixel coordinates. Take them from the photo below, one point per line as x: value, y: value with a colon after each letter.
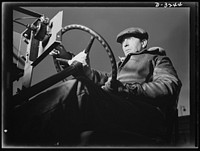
x: 133, y: 31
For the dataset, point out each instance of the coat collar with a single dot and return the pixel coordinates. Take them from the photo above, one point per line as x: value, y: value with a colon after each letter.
x: 152, y: 50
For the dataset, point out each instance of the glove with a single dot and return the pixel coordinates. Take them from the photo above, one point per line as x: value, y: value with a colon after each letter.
x: 133, y: 88
x: 113, y: 86
x: 82, y: 57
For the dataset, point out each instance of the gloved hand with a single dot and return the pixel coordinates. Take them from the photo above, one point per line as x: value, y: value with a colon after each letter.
x: 132, y: 88
x: 113, y: 86
x: 82, y: 57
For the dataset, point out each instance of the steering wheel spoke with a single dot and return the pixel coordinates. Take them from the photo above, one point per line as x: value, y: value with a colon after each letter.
x: 87, y: 50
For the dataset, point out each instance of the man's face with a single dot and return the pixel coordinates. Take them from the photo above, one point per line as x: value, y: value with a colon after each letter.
x: 131, y: 45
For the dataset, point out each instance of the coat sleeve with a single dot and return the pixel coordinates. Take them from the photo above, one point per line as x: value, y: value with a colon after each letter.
x: 164, y: 84
x: 98, y: 77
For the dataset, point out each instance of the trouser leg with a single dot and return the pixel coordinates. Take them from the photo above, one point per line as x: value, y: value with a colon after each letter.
x: 114, y: 111
x: 62, y: 113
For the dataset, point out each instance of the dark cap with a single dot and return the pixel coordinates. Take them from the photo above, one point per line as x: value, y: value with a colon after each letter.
x: 133, y: 31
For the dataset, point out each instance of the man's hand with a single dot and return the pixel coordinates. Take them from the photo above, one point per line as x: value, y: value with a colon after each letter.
x: 113, y: 85
x: 82, y: 57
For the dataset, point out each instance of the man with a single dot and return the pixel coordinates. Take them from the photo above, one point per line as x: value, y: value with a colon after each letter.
x: 145, y: 92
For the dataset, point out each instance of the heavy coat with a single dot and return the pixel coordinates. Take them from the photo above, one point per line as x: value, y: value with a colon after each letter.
x: 148, y: 75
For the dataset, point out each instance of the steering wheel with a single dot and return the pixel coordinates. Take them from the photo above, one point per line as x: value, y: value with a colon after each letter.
x: 94, y: 35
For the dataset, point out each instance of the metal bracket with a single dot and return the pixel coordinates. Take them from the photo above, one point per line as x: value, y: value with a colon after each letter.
x: 35, y: 35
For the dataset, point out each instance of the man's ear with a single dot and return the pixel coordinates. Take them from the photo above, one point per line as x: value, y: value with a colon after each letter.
x: 144, y: 43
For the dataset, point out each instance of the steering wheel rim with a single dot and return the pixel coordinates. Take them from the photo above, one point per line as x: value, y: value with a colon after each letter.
x: 96, y: 36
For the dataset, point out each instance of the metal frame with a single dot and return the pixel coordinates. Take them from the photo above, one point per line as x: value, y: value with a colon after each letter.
x: 36, y: 51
